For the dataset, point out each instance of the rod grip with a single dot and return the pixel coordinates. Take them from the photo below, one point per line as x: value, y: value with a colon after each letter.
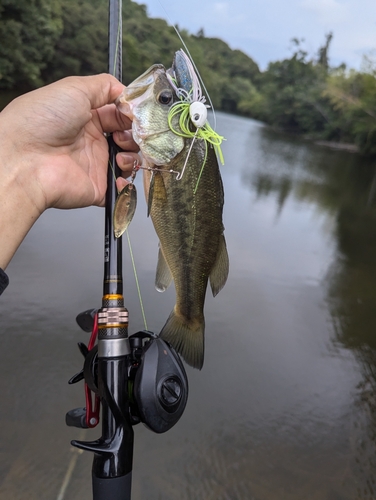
x: 115, y: 488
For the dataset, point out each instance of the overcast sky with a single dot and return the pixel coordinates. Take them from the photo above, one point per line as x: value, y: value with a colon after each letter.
x: 264, y: 28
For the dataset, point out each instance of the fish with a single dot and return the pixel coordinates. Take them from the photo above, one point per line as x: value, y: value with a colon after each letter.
x: 185, y: 197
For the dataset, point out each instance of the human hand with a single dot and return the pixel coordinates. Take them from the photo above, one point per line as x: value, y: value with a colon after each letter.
x: 53, y: 152
x: 54, y: 143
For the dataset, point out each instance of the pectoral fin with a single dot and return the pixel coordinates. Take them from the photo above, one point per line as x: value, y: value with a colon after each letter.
x: 219, y: 272
x: 163, y: 275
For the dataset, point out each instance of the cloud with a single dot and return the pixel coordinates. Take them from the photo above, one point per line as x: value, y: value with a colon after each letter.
x: 221, y: 7
x: 328, y: 11
x: 224, y: 14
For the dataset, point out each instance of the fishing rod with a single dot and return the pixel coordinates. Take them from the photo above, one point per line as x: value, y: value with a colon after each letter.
x: 136, y: 378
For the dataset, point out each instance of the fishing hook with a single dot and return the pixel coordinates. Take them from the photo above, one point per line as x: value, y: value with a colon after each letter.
x: 180, y: 175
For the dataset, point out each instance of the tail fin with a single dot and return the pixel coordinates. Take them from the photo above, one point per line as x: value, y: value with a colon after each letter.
x: 187, y: 339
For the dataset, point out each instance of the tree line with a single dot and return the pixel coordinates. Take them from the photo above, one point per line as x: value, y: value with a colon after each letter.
x: 44, y: 40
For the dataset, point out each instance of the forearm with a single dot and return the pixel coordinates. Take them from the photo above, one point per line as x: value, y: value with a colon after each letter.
x: 14, y: 225
x: 18, y: 211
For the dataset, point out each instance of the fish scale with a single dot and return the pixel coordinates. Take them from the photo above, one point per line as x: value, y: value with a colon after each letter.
x: 190, y: 237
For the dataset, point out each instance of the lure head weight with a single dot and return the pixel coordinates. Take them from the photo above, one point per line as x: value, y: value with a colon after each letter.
x: 198, y: 114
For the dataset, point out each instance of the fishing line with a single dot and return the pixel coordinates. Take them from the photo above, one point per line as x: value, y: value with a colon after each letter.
x: 205, y: 132
x: 192, y: 61
x: 118, y: 41
x: 135, y: 169
x: 136, y: 279
x: 112, y: 168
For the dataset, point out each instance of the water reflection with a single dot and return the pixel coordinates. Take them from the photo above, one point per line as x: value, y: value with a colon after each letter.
x: 342, y: 187
x: 281, y: 409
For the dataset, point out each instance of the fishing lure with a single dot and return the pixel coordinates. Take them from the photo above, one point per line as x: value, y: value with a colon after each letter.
x: 191, y: 109
x: 192, y: 113
x: 125, y: 207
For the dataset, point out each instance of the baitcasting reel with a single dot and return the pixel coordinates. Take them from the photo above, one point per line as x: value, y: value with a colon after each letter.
x: 155, y: 381
x: 158, y: 382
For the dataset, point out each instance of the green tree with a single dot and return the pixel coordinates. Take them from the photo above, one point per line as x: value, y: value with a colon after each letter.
x: 81, y: 48
x: 292, y: 91
x: 353, y: 98
x: 324, y: 51
x: 29, y: 30
x: 44, y: 40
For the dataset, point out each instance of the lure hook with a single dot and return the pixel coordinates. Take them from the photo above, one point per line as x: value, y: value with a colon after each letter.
x: 180, y: 175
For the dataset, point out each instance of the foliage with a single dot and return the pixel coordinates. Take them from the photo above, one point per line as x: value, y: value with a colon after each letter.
x: 353, y: 98
x: 29, y: 30
x: 44, y: 40
x: 80, y: 49
x: 309, y: 97
x: 291, y: 93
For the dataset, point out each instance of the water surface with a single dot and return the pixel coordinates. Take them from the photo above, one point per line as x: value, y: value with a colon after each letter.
x: 284, y: 407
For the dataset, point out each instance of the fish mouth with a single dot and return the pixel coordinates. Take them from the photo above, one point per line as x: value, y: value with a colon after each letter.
x: 127, y: 100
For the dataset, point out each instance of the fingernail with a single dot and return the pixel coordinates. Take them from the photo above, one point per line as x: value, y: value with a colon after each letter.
x: 126, y: 160
x: 124, y: 135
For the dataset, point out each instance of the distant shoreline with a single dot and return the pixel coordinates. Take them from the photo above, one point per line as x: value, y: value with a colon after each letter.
x: 7, y: 96
x: 335, y: 145
x: 343, y: 146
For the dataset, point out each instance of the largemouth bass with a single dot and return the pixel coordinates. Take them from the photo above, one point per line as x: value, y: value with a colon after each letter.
x: 184, y: 190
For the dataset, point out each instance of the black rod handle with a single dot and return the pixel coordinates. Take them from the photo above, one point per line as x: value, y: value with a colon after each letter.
x: 114, y: 450
x: 116, y: 488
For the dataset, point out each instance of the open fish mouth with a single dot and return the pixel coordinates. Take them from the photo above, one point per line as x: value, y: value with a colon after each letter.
x: 147, y: 101
x: 140, y: 88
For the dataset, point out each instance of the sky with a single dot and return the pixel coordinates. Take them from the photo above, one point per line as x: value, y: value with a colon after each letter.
x: 263, y: 29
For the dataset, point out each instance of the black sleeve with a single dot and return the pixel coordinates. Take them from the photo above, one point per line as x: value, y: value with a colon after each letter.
x: 4, y: 281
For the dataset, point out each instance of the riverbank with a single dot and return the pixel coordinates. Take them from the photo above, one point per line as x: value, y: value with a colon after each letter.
x: 6, y: 97
x: 342, y: 146
x: 335, y: 145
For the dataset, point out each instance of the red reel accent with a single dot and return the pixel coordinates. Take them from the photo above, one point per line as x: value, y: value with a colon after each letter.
x: 92, y: 408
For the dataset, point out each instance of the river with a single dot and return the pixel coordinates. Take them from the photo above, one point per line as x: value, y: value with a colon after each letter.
x: 284, y: 407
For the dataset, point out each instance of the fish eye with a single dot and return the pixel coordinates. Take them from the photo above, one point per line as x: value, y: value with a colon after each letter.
x: 165, y: 97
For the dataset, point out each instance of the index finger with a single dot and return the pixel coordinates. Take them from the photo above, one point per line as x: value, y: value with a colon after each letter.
x: 99, y: 89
